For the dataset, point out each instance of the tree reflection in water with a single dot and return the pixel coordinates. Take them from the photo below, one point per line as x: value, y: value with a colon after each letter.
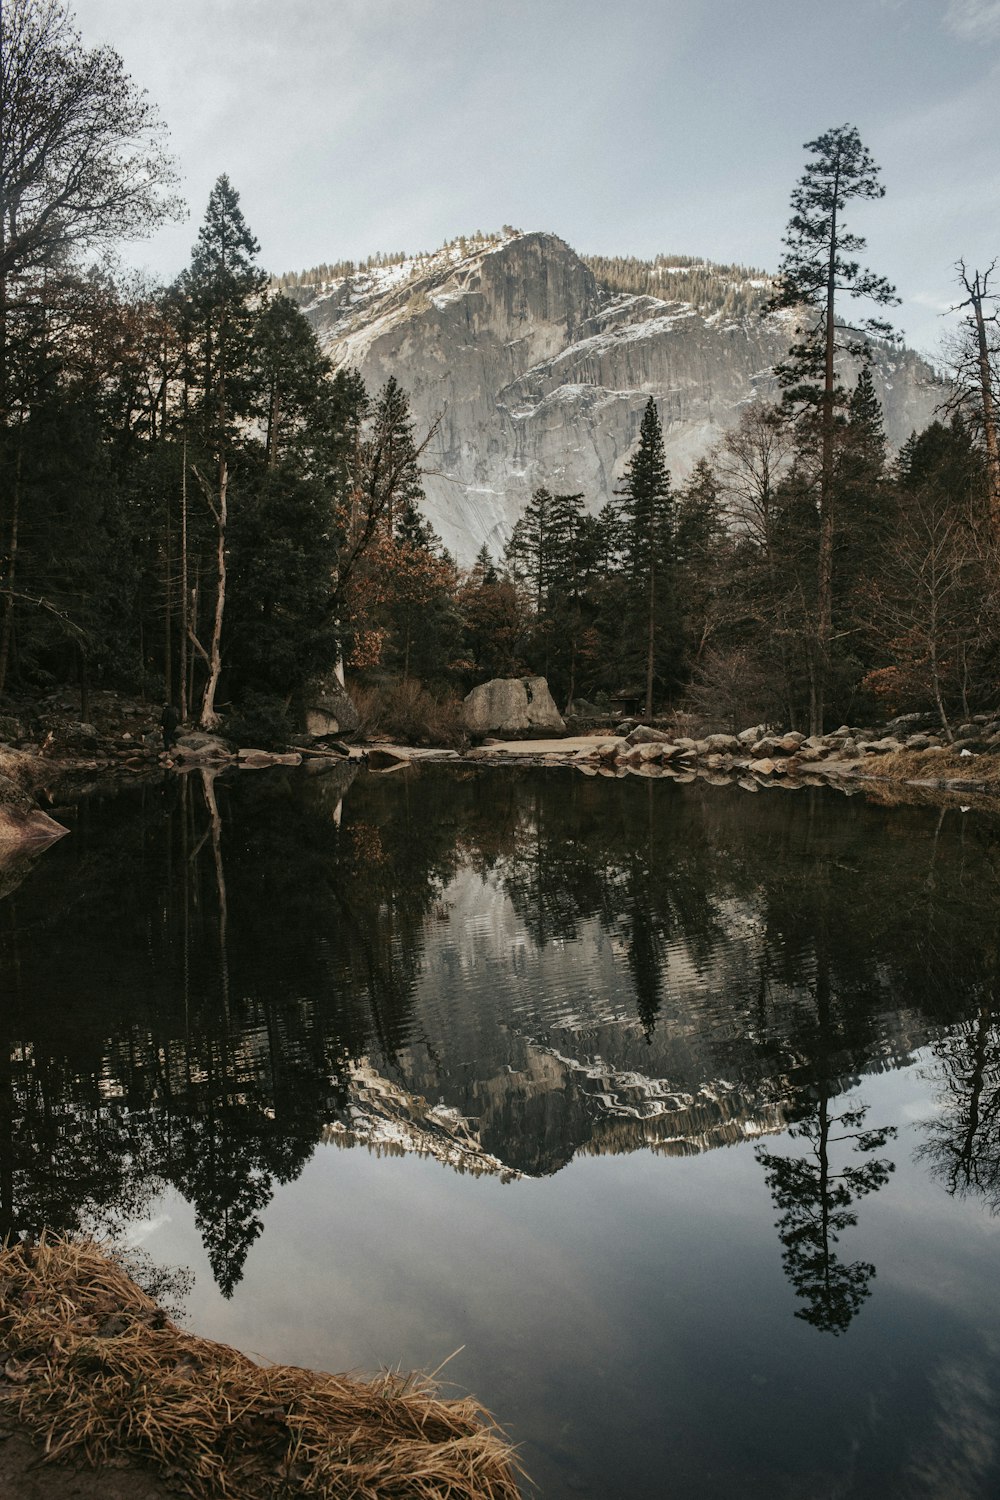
x: 816, y: 1203
x: 963, y: 1141
x: 193, y: 981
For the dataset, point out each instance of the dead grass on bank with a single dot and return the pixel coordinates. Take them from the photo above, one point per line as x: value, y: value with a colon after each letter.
x: 940, y: 765
x: 97, y: 1371
x: 410, y: 715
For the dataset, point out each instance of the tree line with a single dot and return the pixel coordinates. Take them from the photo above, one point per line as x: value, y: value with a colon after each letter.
x: 194, y: 505
x: 801, y: 574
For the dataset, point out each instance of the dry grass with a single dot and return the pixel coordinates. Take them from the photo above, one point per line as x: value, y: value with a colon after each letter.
x: 97, y: 1371
x: 938, y: 765
x: 410, y: 715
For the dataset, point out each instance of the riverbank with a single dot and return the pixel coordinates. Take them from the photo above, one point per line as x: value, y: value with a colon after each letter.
x: 59, y: 759
x: 98, y: 1377
x: 786, y: 762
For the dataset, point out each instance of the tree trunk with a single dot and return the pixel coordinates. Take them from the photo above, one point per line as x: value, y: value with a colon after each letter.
x: 824, y: 582
x: 7, y: 630
x: 989, y: 410
x: 650, y: 644
x: 168, y: 666
x: 209, y: 717
x: 185, y: 616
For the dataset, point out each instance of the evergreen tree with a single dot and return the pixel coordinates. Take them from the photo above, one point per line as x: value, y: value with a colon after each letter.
x: 700, y: 547
x: 646, y: 508
x: 817, y: 266
x: 393, y: 467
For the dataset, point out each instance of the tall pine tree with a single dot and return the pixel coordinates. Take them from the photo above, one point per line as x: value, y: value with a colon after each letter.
x: 818, y: 266
x: 646, y: 508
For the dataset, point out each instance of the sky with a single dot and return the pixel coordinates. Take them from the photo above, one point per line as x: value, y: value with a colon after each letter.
x: 354, y: 126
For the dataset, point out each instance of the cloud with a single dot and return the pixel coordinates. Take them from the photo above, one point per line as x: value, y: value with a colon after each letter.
x: 974, y: 20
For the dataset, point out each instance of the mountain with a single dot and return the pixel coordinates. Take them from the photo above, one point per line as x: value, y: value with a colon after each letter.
x: 537, y: 364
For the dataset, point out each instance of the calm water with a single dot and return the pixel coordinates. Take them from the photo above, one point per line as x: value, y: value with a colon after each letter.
x: 673, y: 1109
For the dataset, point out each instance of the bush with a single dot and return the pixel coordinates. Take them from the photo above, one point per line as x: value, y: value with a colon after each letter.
x: 410, y: 713
x: 260, y: 723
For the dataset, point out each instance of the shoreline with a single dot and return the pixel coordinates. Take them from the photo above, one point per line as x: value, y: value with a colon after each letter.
x: 128, y: 1406
x: 610, y: 756
x: 50, y: 762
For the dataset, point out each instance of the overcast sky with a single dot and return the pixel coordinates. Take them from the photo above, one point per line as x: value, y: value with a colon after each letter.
x: 351, y: 126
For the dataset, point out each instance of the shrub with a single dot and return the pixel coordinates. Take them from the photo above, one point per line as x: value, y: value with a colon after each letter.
x: 410, y: 713
x: 260, y: 722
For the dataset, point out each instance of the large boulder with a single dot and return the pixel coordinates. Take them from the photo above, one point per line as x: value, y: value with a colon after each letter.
x: 22, y: 824
x: 329, y: 709
x: 518, y: 706
x: 645, y: 734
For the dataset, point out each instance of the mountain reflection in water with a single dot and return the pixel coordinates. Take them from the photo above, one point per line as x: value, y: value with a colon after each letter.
x: 499, y: 969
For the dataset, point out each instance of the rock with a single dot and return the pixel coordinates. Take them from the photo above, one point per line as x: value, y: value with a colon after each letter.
x: 763, y: 767
x: 21, y: 822
x: 644, y: 734
x: 751, y: 736
x: 385, y: 760
x: 906, y: 721
x: 730, y: 742
x: 198, y: 747
x: 581, y: 709
x: 512, y: 706
x: 329, y: 709
x: 683, y: 743
x: 773, y: 744
x: 255, y: 760
x: 537, y: 376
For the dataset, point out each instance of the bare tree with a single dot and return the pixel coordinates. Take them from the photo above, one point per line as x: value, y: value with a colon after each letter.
x: 975, y: 359
x: 81, y: 154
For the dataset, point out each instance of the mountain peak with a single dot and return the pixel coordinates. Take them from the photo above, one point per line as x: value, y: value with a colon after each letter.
x: 537, y: 362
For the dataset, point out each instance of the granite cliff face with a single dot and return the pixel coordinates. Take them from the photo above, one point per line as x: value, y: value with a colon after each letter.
x: 538, y: 373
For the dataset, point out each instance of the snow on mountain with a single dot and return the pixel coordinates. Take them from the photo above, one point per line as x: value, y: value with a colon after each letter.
x: 537, y: 372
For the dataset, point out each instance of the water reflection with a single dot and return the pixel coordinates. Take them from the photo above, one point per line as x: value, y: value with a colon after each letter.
x: 816, y: 1206
x: 499, y: 969
x: 963, y: 1142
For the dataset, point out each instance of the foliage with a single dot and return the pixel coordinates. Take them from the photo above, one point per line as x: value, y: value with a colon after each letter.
x: 727, y: 291
x: 261, y: 723
x: 410, y: 714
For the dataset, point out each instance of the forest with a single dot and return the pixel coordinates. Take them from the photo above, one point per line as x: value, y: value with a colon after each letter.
x: 195, y: 508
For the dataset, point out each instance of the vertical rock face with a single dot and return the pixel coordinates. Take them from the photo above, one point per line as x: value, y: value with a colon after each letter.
x: 538, y: 374
x: 512, y: 705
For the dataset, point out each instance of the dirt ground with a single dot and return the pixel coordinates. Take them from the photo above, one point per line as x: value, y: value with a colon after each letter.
x: 23, y: 1476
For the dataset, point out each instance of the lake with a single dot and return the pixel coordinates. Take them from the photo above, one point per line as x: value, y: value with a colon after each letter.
x: 665, y: 1118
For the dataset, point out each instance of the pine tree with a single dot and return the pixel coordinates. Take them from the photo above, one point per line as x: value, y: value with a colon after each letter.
x: 647, y: 521
x: 818, y: 265
x: 700, y: 546
x: 392, y: 459
x: 219, y: 302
